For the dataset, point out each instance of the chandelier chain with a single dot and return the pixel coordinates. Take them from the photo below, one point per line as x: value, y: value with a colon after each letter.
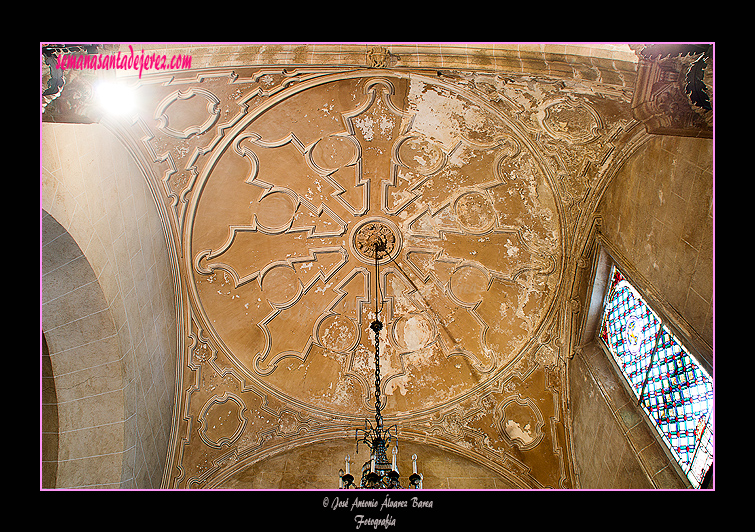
x: 379, y: 472
x: 376, y: 327
x: 378, y: 407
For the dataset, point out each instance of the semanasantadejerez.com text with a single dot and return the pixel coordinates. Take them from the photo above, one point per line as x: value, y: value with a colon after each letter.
x: 124, y: 61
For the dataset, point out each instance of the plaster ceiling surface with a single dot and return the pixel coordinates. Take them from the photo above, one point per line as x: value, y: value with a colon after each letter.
x: 272, y: 180
x: 284, y: 280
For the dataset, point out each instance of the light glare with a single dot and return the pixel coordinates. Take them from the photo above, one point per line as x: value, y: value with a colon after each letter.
x: 115, y: 99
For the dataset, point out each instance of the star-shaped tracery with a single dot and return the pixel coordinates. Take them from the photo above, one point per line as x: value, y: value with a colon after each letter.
x: 472, y: 246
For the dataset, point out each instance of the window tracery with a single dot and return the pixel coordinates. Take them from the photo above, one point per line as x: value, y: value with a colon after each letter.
x: 674, y: 391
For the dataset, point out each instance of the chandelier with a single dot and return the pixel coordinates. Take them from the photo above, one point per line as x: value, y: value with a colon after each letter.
x: 378, y: 472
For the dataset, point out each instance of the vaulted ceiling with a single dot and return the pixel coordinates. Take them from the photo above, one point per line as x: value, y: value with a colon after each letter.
x: 285, y: 287
x: 270, y: 176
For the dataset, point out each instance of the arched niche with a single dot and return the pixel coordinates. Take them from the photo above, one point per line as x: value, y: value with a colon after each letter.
x: 85, y: 367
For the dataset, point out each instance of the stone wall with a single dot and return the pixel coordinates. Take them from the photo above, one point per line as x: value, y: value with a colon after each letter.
x: 657, y: 219
x: 115, y: 389
x: 84, y: 420
x: 658, y: 212
x: 614, y: 447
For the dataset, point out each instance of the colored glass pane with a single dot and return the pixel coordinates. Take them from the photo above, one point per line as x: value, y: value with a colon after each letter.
x: 673, y: 389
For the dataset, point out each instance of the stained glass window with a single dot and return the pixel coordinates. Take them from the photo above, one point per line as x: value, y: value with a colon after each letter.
x: 671, y: 387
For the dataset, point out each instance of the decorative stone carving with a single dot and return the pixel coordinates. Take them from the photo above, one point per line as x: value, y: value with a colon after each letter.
x: 75, y: 103
x: 222, y: 421
x: 378, y: 57
x: 521, y: 422
x: 162, y: 113
x: 662, y: 100
x: 376, y: 232
x: 67, y: 95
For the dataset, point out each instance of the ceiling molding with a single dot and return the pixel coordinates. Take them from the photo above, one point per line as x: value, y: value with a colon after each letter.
x: 550, y: 145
